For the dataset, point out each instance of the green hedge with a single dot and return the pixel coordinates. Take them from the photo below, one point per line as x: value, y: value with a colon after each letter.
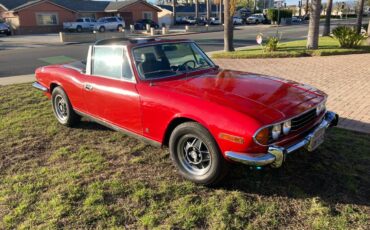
x: 272, y: 14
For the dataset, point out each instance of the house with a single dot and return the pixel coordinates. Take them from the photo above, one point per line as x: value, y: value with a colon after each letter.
x: 165, y: 17
x: 47, y: 16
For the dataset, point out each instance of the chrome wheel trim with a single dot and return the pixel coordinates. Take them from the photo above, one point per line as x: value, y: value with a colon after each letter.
x: 60, y: 108
x: 194, y: 155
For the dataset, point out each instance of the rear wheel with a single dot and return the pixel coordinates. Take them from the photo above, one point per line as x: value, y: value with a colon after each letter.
x: 119, y: 28
x: 102, y: 29
x: 79, y: 29
x: 62, y: 108
x: 196, y: 154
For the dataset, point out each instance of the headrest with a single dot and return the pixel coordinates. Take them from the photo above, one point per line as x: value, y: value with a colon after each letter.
x: 148, y: 57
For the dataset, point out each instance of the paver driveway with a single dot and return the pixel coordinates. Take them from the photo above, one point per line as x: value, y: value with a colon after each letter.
x: 346, y: 79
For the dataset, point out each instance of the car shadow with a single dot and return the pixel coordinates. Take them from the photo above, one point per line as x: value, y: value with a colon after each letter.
x: 337, y: 172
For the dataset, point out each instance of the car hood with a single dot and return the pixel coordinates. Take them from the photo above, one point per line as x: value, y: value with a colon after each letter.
x: 267, y: 99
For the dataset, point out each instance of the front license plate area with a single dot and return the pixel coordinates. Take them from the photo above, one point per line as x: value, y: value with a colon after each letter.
x: 316, y: 140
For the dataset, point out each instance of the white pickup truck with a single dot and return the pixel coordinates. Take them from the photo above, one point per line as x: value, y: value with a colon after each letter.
x: 80, y: 25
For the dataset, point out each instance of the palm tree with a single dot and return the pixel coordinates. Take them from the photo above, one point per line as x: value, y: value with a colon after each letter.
x: 196, y: 9
x: 208, y: 10
x: 313, y: 27
x: 228, y: 30
x: 306, y: 8
x: 327, y: 18
x: 174, y: 3
x: 359, y: 17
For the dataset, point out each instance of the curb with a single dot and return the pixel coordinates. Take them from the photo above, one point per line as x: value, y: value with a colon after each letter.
x: 17, y: 79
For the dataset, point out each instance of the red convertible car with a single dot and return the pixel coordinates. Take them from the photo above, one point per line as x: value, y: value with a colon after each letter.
x: 170, y: 93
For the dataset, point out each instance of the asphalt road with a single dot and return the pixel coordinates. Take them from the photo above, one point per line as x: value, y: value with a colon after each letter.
x: 24, y: 61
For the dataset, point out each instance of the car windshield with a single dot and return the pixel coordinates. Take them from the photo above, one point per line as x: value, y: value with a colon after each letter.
x: 166, y: 60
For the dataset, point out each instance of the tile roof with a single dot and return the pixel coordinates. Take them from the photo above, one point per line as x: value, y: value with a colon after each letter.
x: 76, y: 5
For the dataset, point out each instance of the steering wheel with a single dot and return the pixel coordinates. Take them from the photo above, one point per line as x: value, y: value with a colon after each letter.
x: 186, y: 65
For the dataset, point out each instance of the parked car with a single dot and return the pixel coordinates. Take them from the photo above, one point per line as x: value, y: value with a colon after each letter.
x: 255, y: 19
x: 214, y: 21
x: 80, y: 25
x: 170, y: 93
x: 109, y: 23
x: 141, y: 24
x: 296, y: 20
x: 5, y: 29
x: 237, y: 21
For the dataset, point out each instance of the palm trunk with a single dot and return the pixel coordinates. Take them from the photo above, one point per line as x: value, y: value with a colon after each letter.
x: 327, y: 18
x: 208, y: 11
x: 228, y: 30
x: 359, y: 17
x: 313, y: 27
x: 221, y: 11
x: 196, y: 9
x: 306, y: 7
x: 174, y: 2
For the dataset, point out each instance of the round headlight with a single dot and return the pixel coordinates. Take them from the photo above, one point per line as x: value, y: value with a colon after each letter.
x: 275, y: 132
x: 286, y: 127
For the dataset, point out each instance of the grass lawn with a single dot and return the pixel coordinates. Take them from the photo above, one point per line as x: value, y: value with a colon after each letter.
x: 91, y: 177
x: 327, y: 46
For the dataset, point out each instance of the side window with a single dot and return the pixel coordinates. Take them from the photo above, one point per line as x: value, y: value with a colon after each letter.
x: 108, y: 61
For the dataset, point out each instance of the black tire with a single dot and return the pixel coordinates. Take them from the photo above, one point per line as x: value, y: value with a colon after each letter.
x: 62, y: 108
x: 182, y: 153
x: 102, y: 29
x: 119, y: 28
x: 79, y: 29
x: 8, y: 33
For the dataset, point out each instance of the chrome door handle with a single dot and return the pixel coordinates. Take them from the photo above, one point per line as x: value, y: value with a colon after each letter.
x: 88, y: 87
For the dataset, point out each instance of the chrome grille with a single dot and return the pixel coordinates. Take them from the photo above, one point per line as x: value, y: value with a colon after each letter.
x: 303, y: 120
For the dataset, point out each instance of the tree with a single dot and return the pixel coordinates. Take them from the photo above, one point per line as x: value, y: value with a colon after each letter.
x: 306, y: 7
x: 313, y: 27
x: 174, y: 3
x: 228, y: 30
x: 327, y: 18
x: 197, y: 9
x: 208, y: 10
x: 359, y: 16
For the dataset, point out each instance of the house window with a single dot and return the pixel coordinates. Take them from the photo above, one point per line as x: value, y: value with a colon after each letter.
x: 148, y: 15
x: 47, y: 19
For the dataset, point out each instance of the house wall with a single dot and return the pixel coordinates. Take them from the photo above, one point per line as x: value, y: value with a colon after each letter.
x: 28, y: 21
x: 2, y: 11
x: 135, y: 11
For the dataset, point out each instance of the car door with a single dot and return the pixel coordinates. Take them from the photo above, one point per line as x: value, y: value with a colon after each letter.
x: 110, y: 91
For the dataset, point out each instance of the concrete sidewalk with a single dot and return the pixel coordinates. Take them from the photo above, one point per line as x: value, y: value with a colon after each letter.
x: 17, y: 79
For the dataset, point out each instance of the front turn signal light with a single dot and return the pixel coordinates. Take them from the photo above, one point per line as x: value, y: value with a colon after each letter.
x: 262, y: 137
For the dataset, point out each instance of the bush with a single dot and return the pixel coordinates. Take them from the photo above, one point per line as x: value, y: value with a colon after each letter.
x: 272, y: 14
x: 347, y: 37
x: 272, y: 44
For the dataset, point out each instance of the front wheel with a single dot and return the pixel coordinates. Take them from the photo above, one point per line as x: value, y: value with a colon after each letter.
x: 196, y: 154
x: 62, y: 108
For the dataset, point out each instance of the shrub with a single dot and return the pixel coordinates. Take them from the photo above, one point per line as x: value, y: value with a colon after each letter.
x: 272, y: 44
x: 347, y: 37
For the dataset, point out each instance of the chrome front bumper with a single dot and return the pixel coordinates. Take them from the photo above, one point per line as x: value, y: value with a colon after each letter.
x: 40, y: 87
x: 275, y: 154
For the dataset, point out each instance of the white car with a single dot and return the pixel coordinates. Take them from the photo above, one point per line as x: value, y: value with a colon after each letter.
x: 80, y: 24
x: 237, y: 21
x: 296, y: 20
x: 255, y: 19
x: 109, y: 23
x: 214, y: 21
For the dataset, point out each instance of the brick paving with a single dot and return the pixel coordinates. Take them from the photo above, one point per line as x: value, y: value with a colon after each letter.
x: 346, y: 79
